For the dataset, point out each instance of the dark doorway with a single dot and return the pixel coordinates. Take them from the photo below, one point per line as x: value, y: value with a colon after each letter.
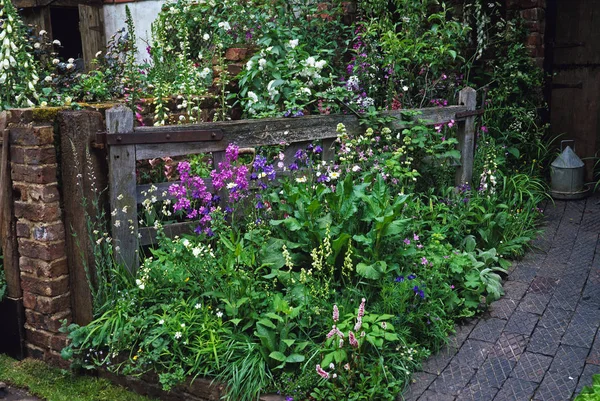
x: 65, y: 28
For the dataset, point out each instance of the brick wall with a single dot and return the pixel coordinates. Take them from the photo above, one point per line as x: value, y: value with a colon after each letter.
x: 40, y: 235
x: 533, y: 12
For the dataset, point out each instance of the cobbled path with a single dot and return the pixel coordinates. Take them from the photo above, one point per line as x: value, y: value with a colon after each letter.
x: 541, y: 340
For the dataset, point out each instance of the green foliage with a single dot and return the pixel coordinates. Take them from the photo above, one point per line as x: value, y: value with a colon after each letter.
x: 590, y: 393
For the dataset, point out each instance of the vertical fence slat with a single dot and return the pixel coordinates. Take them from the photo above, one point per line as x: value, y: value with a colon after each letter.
x: 466, y: 137
x: 122, y: 189
x: 329, y: 149
x: 7, y: 223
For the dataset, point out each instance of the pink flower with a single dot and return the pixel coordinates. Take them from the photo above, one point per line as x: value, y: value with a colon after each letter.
x: 335, y: 331
x: 415, y: 237
x: 336, y: 313
x: 322, y: 373
x: 361, y: 309
x: 352, y: 339
x: 358, y: 324
x: 484, y: 128
x: 451, y: 124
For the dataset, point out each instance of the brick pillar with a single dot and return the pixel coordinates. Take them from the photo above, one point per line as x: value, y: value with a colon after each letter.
x: 533, y: 13
x: 41, y: 238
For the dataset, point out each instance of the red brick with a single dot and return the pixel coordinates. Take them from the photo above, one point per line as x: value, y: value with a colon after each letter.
x: 58, y: 342
x: 41, y: 250
x: 49, y: 232
x: 44, y: 174
x: 33, y: 156
x: 30, y: 136
x: 23, y: 230
x: 51, y: 323
x: 49, y: 287
x: 36, y: 336
x: 20, y: 116
x: 48, y: 305
x: 42, y: 268
x: 34, y: 352
x: 37, y: 211
x: 44, y: 193
x: 236, y: 53
x: 53, y: 358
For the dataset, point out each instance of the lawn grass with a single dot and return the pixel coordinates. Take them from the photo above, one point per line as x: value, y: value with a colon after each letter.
x: 53, y: 384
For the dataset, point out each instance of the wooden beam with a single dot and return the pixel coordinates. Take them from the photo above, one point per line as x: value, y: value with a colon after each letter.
x: 466, y: 138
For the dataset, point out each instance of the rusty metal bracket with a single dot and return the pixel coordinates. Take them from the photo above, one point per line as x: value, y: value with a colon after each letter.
x: 138, y: 138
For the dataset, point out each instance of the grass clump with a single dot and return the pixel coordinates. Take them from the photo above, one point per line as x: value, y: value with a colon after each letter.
x: 55, y: 384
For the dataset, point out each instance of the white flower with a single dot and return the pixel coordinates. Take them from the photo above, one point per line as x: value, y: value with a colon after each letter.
x: 48, y: 78
x: 356, y: 169
x: 225, y: 25
x: 186, y: 242
x: 196, y: 252
x: 261, y: 63
x: 98, y: 54
x: 249, y: 65
x: 161, y: 321
x: 43, y: 104
x: 301, y: 179
x: 182, y: 325
x: 293, y: 43
x: 120, y: 197
x: 206, y: 36
x: 125, y: 209
x: 334, y: 174
x: 198, y: 306
x: 305, y: 90
x: 205, y: 72
x: 253, y: 97
x: 178, y: 335
x: 36, y: 45
x: 43, y: 32
x: 55, y: 61
x: 310, y: 62
x: 71, y: 60
x: 320, y: 64
x: 70, y: 66
x: 181, y: 117
x: 56, y: 42
x: 231, y: 185
x: 405, y: 88
x: 219, y: 314
x: 68, y: 100
x: 118, y: 223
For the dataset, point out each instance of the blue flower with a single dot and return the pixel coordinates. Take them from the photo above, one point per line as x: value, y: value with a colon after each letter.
x: 411, y: 277
x: 399, y: 279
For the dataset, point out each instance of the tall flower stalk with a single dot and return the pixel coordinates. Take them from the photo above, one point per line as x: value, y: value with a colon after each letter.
x: 18, y: 76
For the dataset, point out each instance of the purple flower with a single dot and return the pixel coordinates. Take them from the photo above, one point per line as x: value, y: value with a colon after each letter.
x: 411, y: 277
x: 317, y: 149
x: 406, y: 241
x: 293, y: 166
x: 399, y: 279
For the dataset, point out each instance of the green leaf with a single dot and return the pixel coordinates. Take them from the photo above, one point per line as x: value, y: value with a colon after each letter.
x: 235, y: 321
x: 374, y: 271
x: 289, y: 342
x: 267, y: 323
x: 278, y: 356
x: 295, y: 358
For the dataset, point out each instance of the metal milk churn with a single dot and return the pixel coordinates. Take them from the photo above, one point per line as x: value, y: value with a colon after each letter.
x: 567, y: 174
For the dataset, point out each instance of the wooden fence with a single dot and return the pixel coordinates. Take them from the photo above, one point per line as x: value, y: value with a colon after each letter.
x: 126, y: 145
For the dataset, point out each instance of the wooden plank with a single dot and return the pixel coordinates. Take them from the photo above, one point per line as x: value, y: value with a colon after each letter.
x: 7, y: 219
x: 83, y: 178
x: 264, y: 132
x: 92, y: 40
x: 148, y: 234
x: 122, y: 189
x: 466, y: 138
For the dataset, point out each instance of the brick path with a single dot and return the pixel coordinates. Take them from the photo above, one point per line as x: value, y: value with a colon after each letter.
x: 541, y: 340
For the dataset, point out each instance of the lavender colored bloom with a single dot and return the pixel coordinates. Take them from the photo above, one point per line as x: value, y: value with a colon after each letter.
x: 293, y: 167
x: 317, y: 149
x: 399, y: 279
x: 406, y: 241
x: 411, y: 277
x: 209, y: 232
x: 253, y: 176
x: 260, y: 205
x: 299, y: 154
x: 260, y: 162
x: 299, y: 113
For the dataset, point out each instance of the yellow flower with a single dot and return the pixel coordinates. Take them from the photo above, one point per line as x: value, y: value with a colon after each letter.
x: 187, y: 279
x: 135, y: 357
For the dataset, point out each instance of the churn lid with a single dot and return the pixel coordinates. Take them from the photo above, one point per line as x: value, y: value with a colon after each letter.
x: 567, y: 159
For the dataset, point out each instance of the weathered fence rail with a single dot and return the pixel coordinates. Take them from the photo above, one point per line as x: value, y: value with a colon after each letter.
x: 126, y: 145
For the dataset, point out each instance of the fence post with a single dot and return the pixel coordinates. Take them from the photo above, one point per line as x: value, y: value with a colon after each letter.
x: 122, y: 189
x: 466, y: 138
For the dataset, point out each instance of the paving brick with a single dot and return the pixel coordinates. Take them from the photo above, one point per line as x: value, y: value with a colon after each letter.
x: 515, y: 289
x: 418, y: 384
x: 462, y: 332
x: 591, y: 295
x: 488, y: 330
x: 509, y: 346
x: 477, y: 392
x: 516, y: 390
x: 503, y: 308
x: 523, y: 274
x: 532, y: 367
x: 545, y: 341
x: 534, y: 303
x: 555, y: 318
x: 585, y: 379
x: 543, y: 285
x: 566, y: 301
x: 556, y: 387
x: 433, y: 396
x: 473, y: 353
x: 594, y: 355
x: 569, y: 360
x: 522, y: 323
x: 437, y: 363
x: 493, y: 372
x: 453, y: 379
x: 583, y: 327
